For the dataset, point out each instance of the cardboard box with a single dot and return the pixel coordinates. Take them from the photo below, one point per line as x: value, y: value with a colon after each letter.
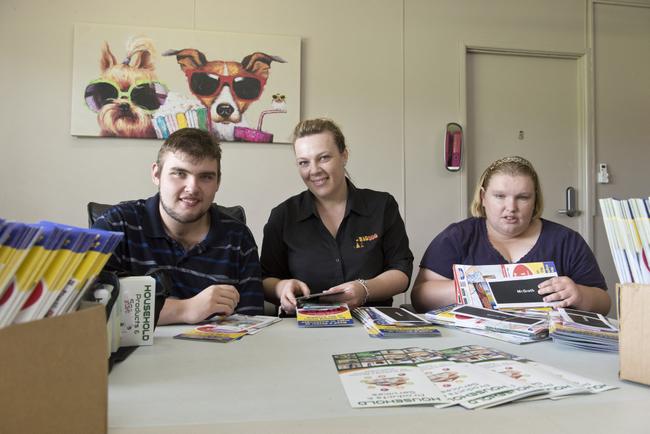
x: 54, y: 374
x: 634, y: 335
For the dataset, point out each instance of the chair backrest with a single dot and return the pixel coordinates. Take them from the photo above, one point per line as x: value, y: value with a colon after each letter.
x: 236, y: 211
x: 95, y: 210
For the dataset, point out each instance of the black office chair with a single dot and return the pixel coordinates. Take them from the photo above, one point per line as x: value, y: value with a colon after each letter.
x: 95, y: 210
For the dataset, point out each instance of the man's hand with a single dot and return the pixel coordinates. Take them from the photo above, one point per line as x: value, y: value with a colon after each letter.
x: 215, y: 299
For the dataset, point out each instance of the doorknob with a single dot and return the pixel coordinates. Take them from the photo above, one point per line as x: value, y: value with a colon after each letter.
x: 570, y: 203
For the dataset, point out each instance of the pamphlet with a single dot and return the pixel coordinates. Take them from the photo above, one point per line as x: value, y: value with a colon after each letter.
x: 210, y: 334
x: 592, y: 386
x: 250, y: 324
x: 581, y: 319
x: 230, y: 328
x: 378, y: 326
x: 324, y: 315
x: 529, y: 375
x: 312, y: 298
x: 555, y: 382
x: 42, y: 267
x: 385, y: 378
x: 519, y: 292
x: 471, y: 376
x: 584, y: 330
x: 398, y: 316
x: 506, y: 337
x: 492, y: 323
x: 473, y: 282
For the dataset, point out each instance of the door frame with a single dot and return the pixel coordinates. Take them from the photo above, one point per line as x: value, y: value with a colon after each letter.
x: 586, y: 146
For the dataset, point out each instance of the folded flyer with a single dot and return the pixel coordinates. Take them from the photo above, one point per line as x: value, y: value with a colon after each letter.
x: 313, y: 298
x: 471, y: 376
x: 250, y: 324
x: 378, y: 327
x: 230, y: 328
x: 519, y: 292
x: 584, y: 330
x: 385, y: 378
x: 473, y: 282
x: 397, y: 316
x: 491, y: 323
x: 324, y: 315
x: 211, y: 334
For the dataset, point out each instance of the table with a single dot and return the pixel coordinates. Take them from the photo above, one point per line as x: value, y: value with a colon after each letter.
x: 283, y: 380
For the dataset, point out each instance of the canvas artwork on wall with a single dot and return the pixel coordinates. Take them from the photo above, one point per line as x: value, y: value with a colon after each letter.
x: 148, y: 82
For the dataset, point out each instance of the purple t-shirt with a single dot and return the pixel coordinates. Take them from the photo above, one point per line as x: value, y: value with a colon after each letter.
x: 466, y: 242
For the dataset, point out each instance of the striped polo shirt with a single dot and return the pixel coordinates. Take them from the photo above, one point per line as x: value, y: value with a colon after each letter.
x: 227, y: 255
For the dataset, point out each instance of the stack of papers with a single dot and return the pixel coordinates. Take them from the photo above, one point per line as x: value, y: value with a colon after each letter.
x: 532, y: 312
x: 586, y: 330
x: 518, y: 329
x: 393, y: 322
x: 46, y: 268
x: 627, y: 223
x: 228, y: 328
x: 470, y: 376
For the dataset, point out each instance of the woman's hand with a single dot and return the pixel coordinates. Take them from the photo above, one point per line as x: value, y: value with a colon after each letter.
x: 561, y: 289
x: 353, y: 293
x: 432, y: 290
x: 571, y: 294
x: 286, y: 291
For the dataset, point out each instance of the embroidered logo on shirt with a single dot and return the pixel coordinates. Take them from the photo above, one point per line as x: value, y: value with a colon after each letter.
x: 361, y: 241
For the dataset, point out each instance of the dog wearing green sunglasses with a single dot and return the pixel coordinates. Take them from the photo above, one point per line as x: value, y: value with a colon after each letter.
x: 225, y: 88
x: 127, y: 93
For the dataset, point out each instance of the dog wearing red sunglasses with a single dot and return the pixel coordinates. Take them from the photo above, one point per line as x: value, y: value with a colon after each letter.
x: 126, y: 93
x: 226, y: 88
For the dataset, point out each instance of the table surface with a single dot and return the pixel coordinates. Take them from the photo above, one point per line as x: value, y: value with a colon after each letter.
x: 283, y: 380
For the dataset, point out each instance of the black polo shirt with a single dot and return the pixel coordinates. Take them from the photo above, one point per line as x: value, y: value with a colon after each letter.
x: 371, y: 239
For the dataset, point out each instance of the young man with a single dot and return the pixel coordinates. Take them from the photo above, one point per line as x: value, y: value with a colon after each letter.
x: 210, y: 259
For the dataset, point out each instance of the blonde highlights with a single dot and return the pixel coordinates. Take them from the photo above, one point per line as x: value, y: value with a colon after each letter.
x: 513, y: 166
x: 310, y: 127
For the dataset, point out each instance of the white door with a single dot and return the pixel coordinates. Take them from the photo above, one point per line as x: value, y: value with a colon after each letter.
x: 527, y: 106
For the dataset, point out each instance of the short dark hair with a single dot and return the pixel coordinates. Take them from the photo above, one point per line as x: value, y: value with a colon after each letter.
x: 197, y: 144
x: 310, y: 127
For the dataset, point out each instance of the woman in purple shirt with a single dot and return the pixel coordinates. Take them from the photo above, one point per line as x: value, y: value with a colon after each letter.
x: 507, y: 228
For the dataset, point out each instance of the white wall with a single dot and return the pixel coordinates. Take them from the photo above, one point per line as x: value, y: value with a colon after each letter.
x: 386, y: 70
x: 351, y: 71
x: 622, y: 107
x: 434, y: 33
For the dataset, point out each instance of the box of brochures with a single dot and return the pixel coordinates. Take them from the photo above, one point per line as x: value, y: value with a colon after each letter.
x: 634, y: 331
x: 54, y: 374
x: 138, y: 295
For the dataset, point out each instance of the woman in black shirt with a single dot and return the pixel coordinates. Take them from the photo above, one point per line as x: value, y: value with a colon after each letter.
x: 333, y: 237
